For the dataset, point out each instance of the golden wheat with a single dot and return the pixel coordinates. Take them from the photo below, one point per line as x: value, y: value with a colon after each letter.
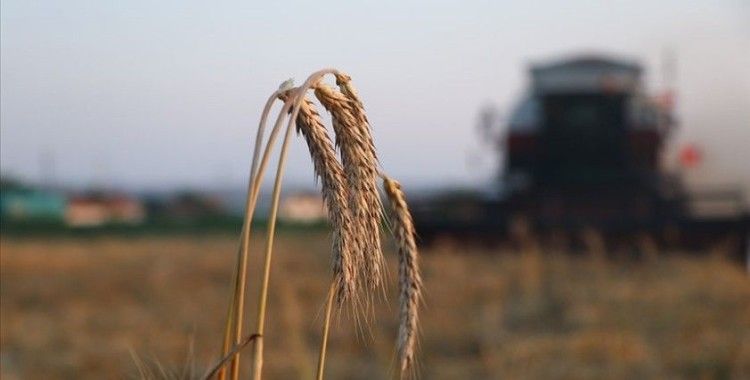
x: 360, y: 163
x: 349, y: 189
x: 333, y: 184
x: 410, y: 280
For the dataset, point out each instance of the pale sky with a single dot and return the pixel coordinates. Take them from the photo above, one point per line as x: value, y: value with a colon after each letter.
x: 149, y: 94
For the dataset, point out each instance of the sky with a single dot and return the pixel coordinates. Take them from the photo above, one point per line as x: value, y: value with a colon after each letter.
x: 157, y: 95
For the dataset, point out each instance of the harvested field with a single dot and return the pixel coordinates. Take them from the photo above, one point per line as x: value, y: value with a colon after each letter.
x: 84, y: 308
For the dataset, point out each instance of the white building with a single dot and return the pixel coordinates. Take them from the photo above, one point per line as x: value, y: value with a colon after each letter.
x: 304, y: 208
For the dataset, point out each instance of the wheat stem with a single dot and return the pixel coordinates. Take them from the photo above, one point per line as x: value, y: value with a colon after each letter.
x: 296, y: 99
x: 326, y: 327
x: 229, y: 326
x: 251, y: 202
x: 230, y: 322
x: 263, y: 297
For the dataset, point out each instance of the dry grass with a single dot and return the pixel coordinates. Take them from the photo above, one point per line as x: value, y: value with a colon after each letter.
x: 75, y: 308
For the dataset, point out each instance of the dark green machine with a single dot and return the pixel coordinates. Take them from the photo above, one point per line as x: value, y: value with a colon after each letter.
x: 582, y: 151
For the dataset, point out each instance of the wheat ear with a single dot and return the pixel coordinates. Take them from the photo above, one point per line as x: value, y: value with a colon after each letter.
x: 410, y: 281
x: 360, y: 164
x: 333, y: 183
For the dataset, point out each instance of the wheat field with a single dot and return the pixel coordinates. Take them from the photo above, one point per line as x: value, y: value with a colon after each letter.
x: 103, y: 307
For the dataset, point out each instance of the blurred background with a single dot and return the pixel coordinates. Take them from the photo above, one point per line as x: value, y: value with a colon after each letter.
x: 577, y: 174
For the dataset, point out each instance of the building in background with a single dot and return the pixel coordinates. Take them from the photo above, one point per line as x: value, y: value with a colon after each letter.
x: 94, y: 210
x: 20, y: 203
x: 305, y: 208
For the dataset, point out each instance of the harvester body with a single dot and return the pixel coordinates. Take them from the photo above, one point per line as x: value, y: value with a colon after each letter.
x: 582, y: 151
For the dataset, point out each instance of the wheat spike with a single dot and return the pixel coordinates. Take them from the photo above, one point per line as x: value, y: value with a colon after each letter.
x: 410, y: 281
x: 358, y: 111
x: 333, y: 182
x: 360, y: 164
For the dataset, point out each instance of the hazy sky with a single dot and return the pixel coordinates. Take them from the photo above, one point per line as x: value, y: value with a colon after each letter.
x: 161, y: 94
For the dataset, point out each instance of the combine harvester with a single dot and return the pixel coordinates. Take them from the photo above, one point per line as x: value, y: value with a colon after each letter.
x: 582, y: 159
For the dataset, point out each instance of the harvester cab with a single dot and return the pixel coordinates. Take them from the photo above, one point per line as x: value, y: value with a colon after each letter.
x: 582, y: 151
x: 584, y: 146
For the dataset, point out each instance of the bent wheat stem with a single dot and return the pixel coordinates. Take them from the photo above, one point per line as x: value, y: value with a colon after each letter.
x: 252, y: 199
x: 296, y: 100
x: 263, y: 297
x: 219, y: 367
x: 230, y: 322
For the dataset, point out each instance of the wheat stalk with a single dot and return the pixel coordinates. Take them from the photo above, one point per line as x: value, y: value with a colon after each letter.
x: 360, y: 164
x: 271, y: 234
x: 295, y: 98
x: 324, y: 338
x: 410, y: 280
x: 350, y: 191
x: 236, y: 308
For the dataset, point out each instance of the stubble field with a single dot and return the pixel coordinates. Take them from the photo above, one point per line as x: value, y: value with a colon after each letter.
x: 103, y: 307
